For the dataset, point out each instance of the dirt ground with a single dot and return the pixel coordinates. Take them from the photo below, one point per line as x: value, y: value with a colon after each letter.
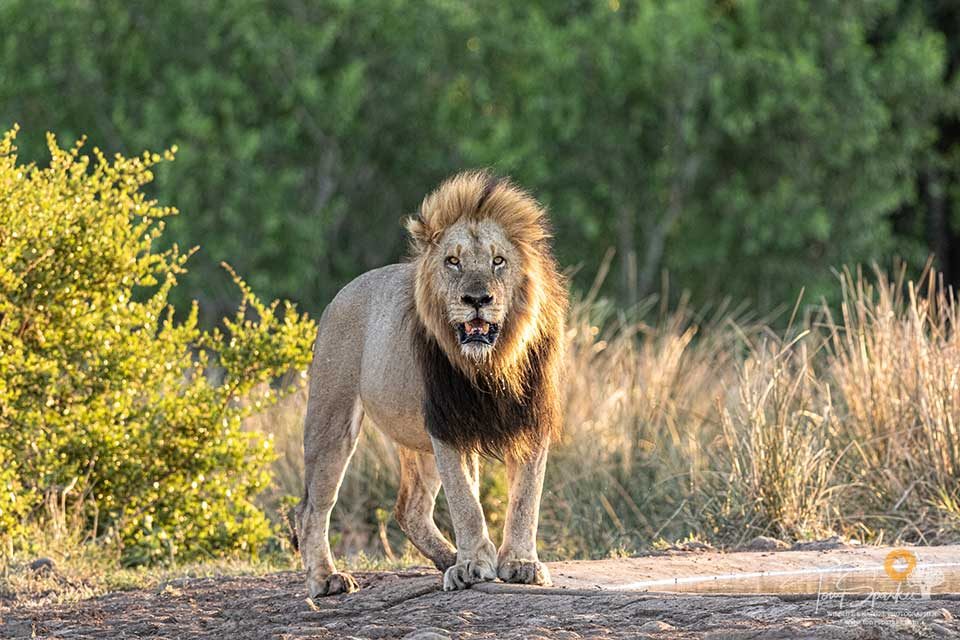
x: 589, y: 600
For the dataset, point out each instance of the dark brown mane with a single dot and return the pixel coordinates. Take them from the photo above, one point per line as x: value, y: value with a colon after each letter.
x: 483, y: 415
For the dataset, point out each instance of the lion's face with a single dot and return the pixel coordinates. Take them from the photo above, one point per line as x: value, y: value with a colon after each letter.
x: 486, y: 287
x: 478, y: 271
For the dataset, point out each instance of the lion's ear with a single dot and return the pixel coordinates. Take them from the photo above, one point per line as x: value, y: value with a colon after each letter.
x: 417, y: 230
x: 420, y: 233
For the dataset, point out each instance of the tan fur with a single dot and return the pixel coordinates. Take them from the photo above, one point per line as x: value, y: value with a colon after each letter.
x: 368, y: 368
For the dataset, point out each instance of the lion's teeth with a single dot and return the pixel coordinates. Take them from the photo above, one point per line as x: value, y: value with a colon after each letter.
x: 477, y: 327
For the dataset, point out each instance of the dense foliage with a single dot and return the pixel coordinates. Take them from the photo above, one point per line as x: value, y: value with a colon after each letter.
x: 746, y: 146
x: 109, y: 407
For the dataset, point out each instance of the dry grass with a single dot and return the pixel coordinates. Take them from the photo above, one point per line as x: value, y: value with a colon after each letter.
x: 640, y: 405
x: 774, y: 469
x: 711, y: 427
x: 64, y: 564
x: 894, y: 358
x: 691, y: 426
x: 718, y: 428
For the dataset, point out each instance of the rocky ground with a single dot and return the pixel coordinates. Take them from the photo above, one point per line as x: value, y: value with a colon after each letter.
x: 412, y: 605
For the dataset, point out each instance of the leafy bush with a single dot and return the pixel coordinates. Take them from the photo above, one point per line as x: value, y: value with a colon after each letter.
x: 102, y: 390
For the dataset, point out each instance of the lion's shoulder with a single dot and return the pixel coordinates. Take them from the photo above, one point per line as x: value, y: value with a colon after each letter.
x: 390, y: 285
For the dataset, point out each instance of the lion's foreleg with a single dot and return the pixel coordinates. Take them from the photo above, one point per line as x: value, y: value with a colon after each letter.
x: 476, y: 555
x: 517, y: 560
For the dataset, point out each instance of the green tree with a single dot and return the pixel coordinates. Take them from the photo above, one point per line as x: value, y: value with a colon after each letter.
x: 305, y: 129
x: 745, y: 147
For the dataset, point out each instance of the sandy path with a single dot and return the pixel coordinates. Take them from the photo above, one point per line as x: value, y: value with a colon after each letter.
x: 411, y: 604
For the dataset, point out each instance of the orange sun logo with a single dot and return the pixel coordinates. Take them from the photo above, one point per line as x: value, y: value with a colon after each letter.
x: 899, y: 564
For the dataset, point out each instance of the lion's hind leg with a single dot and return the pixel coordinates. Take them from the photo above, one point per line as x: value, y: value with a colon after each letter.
x: 419, y: 485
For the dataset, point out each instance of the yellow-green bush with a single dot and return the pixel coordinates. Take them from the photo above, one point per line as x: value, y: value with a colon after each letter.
x: 101, y: 390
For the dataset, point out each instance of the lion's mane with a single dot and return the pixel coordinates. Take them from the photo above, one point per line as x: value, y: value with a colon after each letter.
x: 509, y: 402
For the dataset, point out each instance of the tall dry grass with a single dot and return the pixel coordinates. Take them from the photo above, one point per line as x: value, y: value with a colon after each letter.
x: 714, y: 426
x: 640, y: 407
x: 894, y: 359
x: 774, y: 469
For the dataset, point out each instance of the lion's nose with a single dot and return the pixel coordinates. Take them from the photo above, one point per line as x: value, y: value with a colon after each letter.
x: 477, y: 300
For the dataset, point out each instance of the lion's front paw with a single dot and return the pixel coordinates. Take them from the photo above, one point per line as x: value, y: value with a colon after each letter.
x: 524, y: 572
x: 334, y: 584
x: 469, y: 572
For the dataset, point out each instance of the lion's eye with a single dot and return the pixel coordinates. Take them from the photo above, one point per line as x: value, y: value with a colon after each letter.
x: 498, y: 261
x: 453, y: 261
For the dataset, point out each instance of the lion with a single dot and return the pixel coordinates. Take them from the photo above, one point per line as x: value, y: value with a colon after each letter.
x: 454, y: 354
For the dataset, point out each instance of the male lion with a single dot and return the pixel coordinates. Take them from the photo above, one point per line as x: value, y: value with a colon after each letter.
x: 454, y: 354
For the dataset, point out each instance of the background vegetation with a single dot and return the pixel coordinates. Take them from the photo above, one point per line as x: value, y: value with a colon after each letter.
x: 747, y: 149
x: 115, y: 419
x: 745, y: 146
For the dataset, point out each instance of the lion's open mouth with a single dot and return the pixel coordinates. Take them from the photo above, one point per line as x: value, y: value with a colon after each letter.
x: 477, y: 330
